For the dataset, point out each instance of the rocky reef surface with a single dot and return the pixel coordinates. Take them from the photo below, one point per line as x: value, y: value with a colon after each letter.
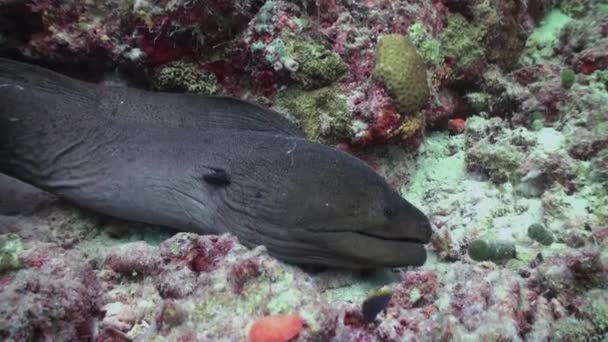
x: 491, y: 116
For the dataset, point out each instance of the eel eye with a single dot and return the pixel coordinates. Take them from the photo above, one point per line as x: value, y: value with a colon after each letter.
x: 388, y: 212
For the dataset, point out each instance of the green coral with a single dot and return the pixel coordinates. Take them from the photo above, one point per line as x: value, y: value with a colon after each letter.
x: 575, y: 8
x: 568, y: 76
x: 322, y: 113
x: 311, y: 64
x: 600, y: 78
x: 429, y: 47
x: 496, y: 251
x: 10, y: 248
x: 541, y: 234
x: 597, y: 308
x: 572, y: 329
x: 403, y: 72
x: 479, y: 101
x: 461, y: 40
x: 540, y: 45
x: 183, y: 76
x: 593, y: 323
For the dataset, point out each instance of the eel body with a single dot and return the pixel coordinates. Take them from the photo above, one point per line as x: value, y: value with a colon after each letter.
x: 202, y: 164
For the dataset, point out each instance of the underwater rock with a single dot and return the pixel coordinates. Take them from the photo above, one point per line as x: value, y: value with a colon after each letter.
x: 55, y: 295
x: 583, y: 42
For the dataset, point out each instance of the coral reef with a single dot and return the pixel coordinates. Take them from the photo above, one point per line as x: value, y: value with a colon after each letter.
x: 503, y: 102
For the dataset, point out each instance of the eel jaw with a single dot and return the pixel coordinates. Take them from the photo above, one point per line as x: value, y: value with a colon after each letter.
x: 354, y: 250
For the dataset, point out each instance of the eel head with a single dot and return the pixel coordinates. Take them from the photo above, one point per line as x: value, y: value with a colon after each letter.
x: 311, y: 204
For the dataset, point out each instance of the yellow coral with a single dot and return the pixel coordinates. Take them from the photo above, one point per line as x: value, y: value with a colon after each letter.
x: 403, y: 72
x: 410, y: 125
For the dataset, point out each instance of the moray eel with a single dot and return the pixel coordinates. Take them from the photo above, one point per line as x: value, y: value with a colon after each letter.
x: 203, y: 164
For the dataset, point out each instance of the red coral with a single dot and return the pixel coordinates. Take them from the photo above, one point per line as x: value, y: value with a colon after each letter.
x: 160, y: 49
x: 587, y: 265
x: 385, y: 123
x: 595, y: 58
x: 188, y: 336
x: 361, y: 65
x: 37, y: 258
x: 470, y: 304
x: 586, y: 147
x: 424, y: 282
x: 206, y: 258
x: 601, y: 234
x: 241, y: 273
x: 266, y: 81
x: 412, y: 143
x: 111, y: 335
x: 443, y: 109
x: 551, y: 97
x: 456, y: 126
x: 353, y: 319
x: 5, y: 281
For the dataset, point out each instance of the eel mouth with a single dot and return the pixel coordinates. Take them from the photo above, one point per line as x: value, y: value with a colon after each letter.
x: 400, y: 239
x: 358, y: 250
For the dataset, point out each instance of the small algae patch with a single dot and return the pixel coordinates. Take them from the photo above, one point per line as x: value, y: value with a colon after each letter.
x: 285, y: 301
x: 322, y: 113
x: 597, y: 304
x: 183, y: 76
x: 500, y: 162
x: 10, y: 248
x: 541, y: 42
x: 550, y: 27
x: 311, y: 64
x: 461, y: 40
x: 251, y: 303
x: 275, y: 293
x: 429, y: 47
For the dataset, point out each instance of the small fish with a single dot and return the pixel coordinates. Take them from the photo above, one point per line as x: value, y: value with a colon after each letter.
x: 375, y: 303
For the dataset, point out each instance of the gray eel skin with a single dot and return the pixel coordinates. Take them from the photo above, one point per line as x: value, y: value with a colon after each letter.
x: 202, y: 164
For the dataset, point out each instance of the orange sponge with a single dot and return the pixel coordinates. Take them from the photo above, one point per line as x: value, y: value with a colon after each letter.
x: 276, y: 328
